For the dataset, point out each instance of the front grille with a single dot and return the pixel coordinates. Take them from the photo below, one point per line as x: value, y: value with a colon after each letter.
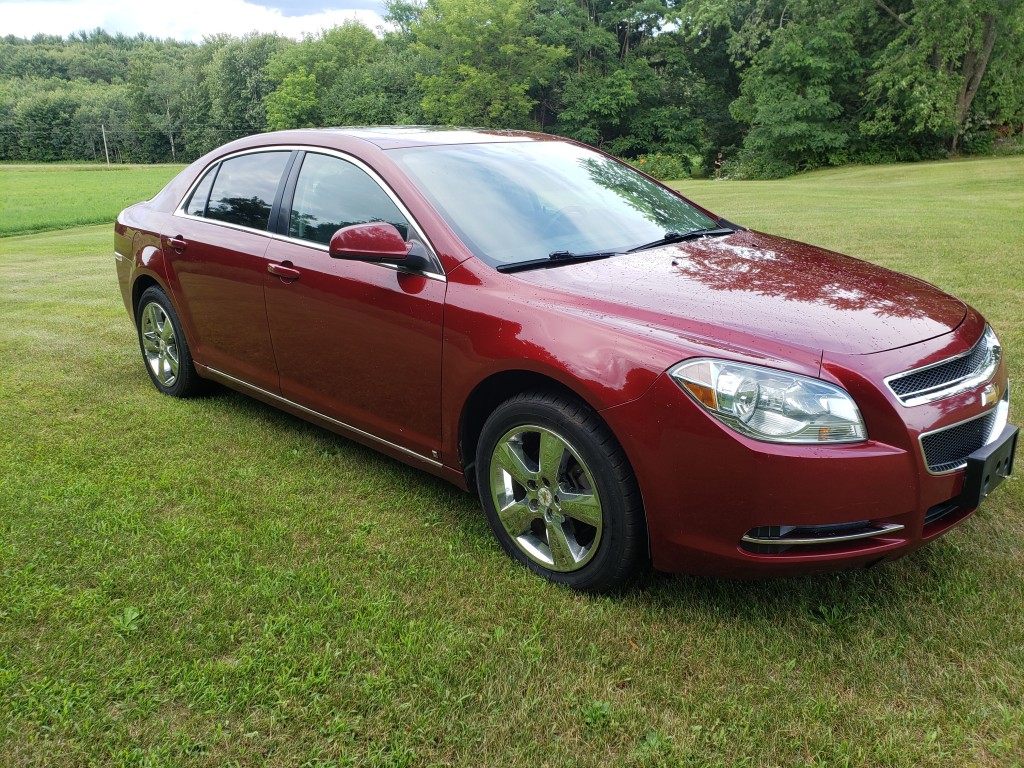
x: 949, y: 377
x: 940, y: 375
x: 947, y: 449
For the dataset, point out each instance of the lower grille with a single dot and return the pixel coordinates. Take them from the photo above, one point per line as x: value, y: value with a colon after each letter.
x: 939, y: 511
x: 946, y: 450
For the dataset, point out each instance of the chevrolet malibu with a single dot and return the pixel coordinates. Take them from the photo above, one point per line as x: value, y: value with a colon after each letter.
x: 620, y: 374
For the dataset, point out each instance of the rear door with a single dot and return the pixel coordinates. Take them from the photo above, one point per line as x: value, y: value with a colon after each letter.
x: 355, y: 341
x: 219, y: 260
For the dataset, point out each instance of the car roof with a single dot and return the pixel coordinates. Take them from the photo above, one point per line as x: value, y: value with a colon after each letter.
x: 395, y: 136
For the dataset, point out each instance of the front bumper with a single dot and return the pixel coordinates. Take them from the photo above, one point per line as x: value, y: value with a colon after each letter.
x: 706, y: 488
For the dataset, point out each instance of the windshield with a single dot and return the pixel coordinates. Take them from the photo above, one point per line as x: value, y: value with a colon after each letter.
x: 514, y: 202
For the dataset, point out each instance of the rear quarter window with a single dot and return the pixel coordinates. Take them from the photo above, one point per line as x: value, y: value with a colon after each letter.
x: 196, y: 205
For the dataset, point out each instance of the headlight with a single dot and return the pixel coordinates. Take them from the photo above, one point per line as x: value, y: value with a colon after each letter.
x: 993, y: 352
x: 771, y: 405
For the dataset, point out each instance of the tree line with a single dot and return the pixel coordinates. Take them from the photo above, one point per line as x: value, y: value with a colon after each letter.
x: 763, y: 87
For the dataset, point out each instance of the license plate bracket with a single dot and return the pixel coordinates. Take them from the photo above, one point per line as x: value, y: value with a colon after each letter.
x: 988, y: 466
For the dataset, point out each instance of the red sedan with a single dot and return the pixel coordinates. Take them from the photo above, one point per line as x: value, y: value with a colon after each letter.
x: 619, y: 373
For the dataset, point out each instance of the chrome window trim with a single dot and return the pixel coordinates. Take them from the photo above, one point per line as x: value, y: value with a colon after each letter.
x: 1002, y: 411
x: 180, y: 211
x: 292, y: 404
x: 950, y: 389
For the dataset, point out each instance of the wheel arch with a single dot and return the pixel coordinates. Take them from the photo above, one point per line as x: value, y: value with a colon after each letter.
x: 143, y: 281
x: 141, y: 284
x: 489, y: 393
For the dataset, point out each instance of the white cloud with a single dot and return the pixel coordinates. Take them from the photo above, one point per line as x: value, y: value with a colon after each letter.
x: 182, y: 19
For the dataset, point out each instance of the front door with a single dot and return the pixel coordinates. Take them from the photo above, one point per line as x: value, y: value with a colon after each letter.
x: 355, y: 341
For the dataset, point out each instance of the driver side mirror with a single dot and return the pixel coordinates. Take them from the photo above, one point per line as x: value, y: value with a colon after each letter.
x: 378, y: 241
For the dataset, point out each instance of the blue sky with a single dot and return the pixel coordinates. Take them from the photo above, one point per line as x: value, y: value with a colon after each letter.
x: 182, y: 19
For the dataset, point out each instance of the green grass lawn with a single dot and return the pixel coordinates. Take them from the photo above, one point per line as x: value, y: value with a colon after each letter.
x: 34, y: 198
x: 213, y: 582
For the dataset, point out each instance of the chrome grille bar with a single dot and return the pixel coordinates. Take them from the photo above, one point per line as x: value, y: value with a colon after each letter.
x: 817, y: 535
x: 950, y: 376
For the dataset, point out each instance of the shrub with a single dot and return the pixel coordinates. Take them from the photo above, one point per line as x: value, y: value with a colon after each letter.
x: 978, y: 137
x: 663, y: 166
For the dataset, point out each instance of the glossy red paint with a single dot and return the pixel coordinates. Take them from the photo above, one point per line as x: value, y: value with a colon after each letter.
x: 757, y: 285
x: 330, y: 328
x: 883, y: 479
x: 217, y: 280
x: 369, y: 242
x: 399, y: 360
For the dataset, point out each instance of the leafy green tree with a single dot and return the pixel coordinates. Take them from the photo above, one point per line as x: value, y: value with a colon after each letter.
x: 99, y: 58
x: 703, y: 82
x: 596, y: 106
x: 776, y: 85
x: 1002, y: 95
x: 294, y: 103
x: 927, y: 77
x: 326, y: 54
x: 238, y: 81
x: 490, y: 63
x: 166, y: 92
x: 307, y: 75
x: 633, y: 87
x: 404, y: 15
x: 46, y: 120
x: 103, y: 107
x: 789, y: 96
x: 9, y: 147
x: 199, y: 131
x: 383, y: 91
x: 42, y: 57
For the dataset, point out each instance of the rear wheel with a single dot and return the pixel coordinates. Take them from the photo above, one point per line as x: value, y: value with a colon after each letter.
x: 164, y: 349
x: 559, y: 492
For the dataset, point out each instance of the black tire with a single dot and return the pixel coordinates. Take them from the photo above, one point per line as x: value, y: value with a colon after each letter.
x: 580, y: 524
x: 165, y: 351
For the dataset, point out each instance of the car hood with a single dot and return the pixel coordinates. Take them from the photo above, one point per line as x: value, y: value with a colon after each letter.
x: 764, y: 286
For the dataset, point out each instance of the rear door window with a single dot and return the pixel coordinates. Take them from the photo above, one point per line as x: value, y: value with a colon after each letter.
x: 244, y: 190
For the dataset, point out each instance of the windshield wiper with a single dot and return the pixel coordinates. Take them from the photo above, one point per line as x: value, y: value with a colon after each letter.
x: 678, y: 237
x: 556, y: 258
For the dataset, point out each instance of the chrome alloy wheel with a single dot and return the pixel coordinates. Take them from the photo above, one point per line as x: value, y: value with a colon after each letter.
x: 546, y: 498
x: 159, y: 344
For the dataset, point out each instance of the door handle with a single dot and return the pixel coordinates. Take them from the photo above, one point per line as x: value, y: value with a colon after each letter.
x: 177, y: 243
x: 288, y: 273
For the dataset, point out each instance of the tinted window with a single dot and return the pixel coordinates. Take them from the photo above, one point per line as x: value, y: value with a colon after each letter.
x: 244, y: 189
x: 332, y: 194
x: 197, y: 203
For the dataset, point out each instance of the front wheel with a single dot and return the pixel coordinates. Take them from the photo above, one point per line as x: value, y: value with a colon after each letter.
x: 559, y: 493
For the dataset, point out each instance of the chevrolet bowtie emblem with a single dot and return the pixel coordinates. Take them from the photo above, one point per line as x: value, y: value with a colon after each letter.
x: 989, y: 395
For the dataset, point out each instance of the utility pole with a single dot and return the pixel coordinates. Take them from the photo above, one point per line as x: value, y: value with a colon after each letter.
x: 106, y: 152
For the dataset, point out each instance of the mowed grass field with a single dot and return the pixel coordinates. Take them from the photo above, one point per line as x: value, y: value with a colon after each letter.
x: 34, y: 198
x: 212, y: 582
